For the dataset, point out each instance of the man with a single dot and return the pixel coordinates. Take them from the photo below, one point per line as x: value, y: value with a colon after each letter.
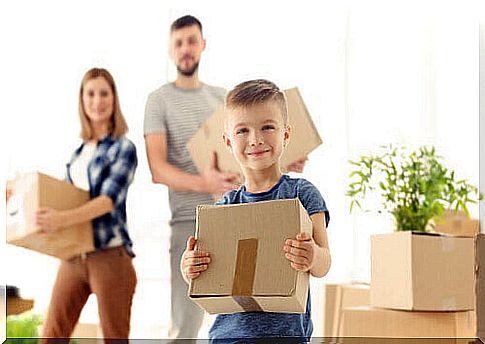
x: 173, y: 114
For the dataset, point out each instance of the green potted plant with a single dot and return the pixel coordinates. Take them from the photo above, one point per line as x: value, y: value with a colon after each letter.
x: 412, y: 269
x: 415, y: 188
x: 23, y: 329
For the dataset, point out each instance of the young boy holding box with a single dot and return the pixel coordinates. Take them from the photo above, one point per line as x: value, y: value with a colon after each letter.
x: 256, y: 132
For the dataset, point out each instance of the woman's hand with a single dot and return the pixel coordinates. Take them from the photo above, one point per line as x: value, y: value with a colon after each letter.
x: 300, y: 251
x: 193, y: 262
x: 50, y: 220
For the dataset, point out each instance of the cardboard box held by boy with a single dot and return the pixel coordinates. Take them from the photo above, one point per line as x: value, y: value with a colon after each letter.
x: 248, y: 270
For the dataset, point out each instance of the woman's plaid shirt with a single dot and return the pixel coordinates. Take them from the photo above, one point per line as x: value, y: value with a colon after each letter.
x: 110, y: 173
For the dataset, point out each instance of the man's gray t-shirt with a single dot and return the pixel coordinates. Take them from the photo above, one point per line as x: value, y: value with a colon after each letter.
x: 178, y: 113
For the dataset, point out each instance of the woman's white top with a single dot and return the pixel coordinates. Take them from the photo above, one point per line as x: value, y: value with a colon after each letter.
x: 79, y: 168
x: 79, y: 177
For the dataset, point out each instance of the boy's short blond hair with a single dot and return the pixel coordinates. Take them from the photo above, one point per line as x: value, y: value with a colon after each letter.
x: 254, y: 92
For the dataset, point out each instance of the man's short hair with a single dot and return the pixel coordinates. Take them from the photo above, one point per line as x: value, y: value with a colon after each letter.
x: 254, y: 92
x: 185, y: 21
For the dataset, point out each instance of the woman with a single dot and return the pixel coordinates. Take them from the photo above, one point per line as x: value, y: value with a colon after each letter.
x: 104, y: 164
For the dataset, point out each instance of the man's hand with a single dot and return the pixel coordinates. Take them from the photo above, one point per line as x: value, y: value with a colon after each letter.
x: 50, y: 220
x: 217, y: 182
x: 300, y: 251
x: 193, y: 262
x: 297, y: 166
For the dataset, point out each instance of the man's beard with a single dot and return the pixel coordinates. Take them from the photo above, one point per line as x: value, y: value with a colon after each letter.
x: 188, y: 72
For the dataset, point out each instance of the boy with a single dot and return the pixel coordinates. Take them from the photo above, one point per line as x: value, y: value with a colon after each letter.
x: 256, y: 132
x: 173, y: 114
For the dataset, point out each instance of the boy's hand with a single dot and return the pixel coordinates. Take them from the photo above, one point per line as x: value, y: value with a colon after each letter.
x: 194, y: 262
x: 300, y: 251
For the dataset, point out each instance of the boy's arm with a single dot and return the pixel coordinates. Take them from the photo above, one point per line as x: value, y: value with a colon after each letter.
x: 308, y: 253
x: 321, y: 259
x: 212, y: 181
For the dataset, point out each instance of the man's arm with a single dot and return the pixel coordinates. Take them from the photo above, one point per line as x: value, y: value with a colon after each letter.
x: 297, y: 166
x: 211, y: 181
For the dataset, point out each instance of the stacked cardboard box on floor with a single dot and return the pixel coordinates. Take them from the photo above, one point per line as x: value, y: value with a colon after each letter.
x: 422, y: 286
x: 422, y: 272
x: 304, y: 137
x: 34, y: 190
x: 339, y: 297
x: 388, y: 323
x: 248, y: 269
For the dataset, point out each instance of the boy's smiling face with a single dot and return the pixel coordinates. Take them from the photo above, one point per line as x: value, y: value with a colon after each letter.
x: 256, y: 135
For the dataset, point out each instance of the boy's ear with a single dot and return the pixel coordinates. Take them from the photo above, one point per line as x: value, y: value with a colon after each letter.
x: 227, y: 142
x: 286, y: 137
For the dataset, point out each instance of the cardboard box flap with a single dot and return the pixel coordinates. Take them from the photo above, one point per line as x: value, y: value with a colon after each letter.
x: 271, y: 274
x: 304, y: 137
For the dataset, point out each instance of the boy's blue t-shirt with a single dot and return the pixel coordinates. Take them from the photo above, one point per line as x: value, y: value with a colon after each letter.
x: 266, y: 324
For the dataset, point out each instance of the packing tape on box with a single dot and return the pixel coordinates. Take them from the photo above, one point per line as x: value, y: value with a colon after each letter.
x: 242, y: 287
x: 447, y: 244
